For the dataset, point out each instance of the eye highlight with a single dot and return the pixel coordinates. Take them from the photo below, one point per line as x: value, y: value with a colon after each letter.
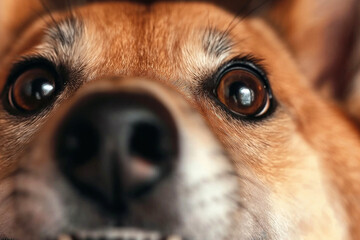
x: 33, y: 86
x: 32, y: 90
x: 243, y: 91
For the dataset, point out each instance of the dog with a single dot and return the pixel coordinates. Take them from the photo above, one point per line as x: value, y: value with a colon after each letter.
x: 173, y: 120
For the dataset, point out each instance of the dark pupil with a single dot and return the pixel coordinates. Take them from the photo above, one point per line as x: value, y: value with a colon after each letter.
x: 38, y: 89
x: 33, y: 90
x: 241, y: 95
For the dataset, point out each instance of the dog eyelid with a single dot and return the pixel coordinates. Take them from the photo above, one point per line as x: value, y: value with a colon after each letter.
x: 30, y: 71
x: 242, y: 87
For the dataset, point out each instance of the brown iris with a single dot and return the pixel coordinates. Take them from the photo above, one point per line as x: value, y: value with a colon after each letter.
x: 32, y: 90
x: 243, y: 92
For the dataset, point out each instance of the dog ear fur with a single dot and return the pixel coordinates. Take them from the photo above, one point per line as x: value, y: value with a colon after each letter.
x: 320, y: 34
x: 351, y: 101
x: 15, y: 16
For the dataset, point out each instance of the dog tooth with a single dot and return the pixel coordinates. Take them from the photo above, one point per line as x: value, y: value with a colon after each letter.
x: 64, y: 237
x: 120, y: 234
x: 173, y: 237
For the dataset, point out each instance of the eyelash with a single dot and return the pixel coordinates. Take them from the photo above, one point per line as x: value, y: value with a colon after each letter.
x: 211, y: 82
x: 256, y: 66
x: 20, y: 67
x: 27, y: 63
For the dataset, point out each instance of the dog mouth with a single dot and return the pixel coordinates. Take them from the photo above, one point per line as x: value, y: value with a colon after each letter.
x: 118, y: 234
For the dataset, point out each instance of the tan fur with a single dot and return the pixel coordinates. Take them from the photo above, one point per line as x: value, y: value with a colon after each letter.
x: 303, y: 161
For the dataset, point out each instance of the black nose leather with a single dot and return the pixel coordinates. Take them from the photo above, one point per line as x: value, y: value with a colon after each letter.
x: 115, y: 147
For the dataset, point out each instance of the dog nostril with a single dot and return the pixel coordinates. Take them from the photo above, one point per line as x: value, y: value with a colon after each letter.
x: 145, y: 142
x: 150, y: 152
x: 116, y: 147
x: 78, y: 143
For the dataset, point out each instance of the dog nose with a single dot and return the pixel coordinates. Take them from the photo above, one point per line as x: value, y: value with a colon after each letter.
x: 116, y: 147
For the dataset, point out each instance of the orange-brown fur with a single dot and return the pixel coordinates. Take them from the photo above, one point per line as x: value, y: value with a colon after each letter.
x: 306, y: 155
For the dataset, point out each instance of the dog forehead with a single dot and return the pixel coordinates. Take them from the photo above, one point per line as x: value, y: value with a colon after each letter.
x: 179, y: 44
x: 164, y: 40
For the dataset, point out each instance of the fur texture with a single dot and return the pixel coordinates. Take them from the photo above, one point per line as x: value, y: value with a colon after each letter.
x: 294, y: 174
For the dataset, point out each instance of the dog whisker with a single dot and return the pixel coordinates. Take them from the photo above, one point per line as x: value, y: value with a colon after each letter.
x: 49, y: 13
x: 240, y: 15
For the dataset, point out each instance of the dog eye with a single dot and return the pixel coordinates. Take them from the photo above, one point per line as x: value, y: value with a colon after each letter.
x: 32, y: 90
x: 244, y: 92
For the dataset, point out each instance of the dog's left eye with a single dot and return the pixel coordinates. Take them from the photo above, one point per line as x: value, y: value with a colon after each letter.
x: 244, y: 92
x: 32, y: 90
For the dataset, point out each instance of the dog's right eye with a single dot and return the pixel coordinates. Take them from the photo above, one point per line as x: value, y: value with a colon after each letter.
x: 32, y: 90
x: 243, y: 90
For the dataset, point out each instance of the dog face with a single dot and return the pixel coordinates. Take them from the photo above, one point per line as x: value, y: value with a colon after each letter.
x: 134, y: 120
